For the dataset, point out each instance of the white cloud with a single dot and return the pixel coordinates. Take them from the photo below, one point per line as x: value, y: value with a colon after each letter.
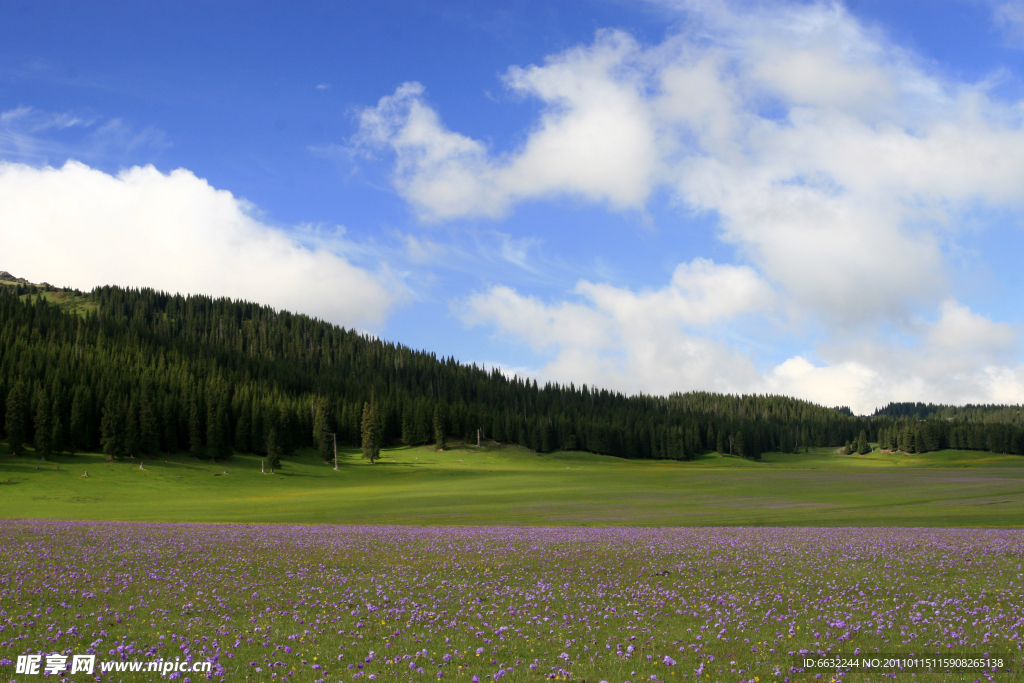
x: 648, y: 342
x: 77, y: 226
x: 960, y: 358
x: 835, y: 162
x: 658, y: 342
x: 594, y: 139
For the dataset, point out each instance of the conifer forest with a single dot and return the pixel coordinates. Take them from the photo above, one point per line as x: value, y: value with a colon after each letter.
x: 135, y: 372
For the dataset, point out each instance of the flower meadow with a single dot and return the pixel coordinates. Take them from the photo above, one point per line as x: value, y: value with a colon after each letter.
x: 337, y: 603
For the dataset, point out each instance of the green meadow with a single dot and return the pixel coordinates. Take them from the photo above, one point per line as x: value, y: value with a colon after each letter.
x: 510, y: 485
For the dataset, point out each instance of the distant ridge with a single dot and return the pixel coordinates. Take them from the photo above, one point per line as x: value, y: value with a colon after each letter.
x: 989, y: 412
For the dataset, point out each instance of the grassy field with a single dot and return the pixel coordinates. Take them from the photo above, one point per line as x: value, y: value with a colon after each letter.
x: 508, y: 485
x: 323, y: 604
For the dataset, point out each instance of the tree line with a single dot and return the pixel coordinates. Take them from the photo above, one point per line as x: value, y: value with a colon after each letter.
x: 971, y: 413
x: 934, y: 434
x: 138, y: 371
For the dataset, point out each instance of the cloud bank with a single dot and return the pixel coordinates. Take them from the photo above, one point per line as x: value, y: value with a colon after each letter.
x: 836, y: 164
x: 79, y: 227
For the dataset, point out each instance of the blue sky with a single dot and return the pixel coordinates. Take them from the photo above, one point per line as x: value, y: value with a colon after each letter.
x: 816, y: 199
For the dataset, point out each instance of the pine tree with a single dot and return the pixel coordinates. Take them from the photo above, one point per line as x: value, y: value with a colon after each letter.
x: 15, y: 418
x: 741, y: 445
x: 284, y: 428
x: 132, y: 435
x: 112, y: 427
x: 274, y: 451
x: 225, y: 447
x: 322, y: 431
x: 76, y: 431
x: 370, y: 432
x: 862, y: 443
x: 215, y: 424
x: 439, y: 428
x: 56, y: 427
x: 547, y: 436
x: 195, y: 425
x: 42, y: 425
x: 149, y: 429
x: 408, y: 425
x: 423, y: 423
x: 170, y: 439
x: 243, y: 428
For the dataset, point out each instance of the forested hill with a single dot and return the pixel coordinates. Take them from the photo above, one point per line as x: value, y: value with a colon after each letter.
x: 991, y: 413
x: 137, y: 372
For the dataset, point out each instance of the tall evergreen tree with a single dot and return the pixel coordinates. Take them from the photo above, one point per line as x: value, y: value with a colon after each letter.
x: 260, y: 416
x: 243, y: 428
x: 15, y: 418
x: 408, y: 424
x: 439, y: 427
x: 42, y: 424
x: 218, y: 434
x: 862, y: 443
x: 322, y: 431
x: 76, y: 429
x: 132, y: 435
x: 285, y: 428
x: 741, y: 445
x: 112, y: 427
x: 370, y: 430
x: 56, y: 427
x: 195, y: 423
x: 167, y: 423
x: 149, y: 429
x: 274, y: 450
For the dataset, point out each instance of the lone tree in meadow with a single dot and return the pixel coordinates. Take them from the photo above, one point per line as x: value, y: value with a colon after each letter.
x: 862, y: 443
x: 370, y: 432
x: 274, y: 449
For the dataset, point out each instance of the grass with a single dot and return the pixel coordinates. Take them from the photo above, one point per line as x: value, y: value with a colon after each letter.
x: 509, y: 485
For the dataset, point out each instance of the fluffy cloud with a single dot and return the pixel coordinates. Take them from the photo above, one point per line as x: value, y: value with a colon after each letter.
x: 596, y: 138
x: 650, y: 342
x: 832, y: 159
x: 961, y: 357
x: 836, y: 163
x: 80, y: 227
x: 659, y: 342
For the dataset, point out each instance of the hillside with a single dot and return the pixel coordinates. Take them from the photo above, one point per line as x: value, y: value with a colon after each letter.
x: 138, y: 372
